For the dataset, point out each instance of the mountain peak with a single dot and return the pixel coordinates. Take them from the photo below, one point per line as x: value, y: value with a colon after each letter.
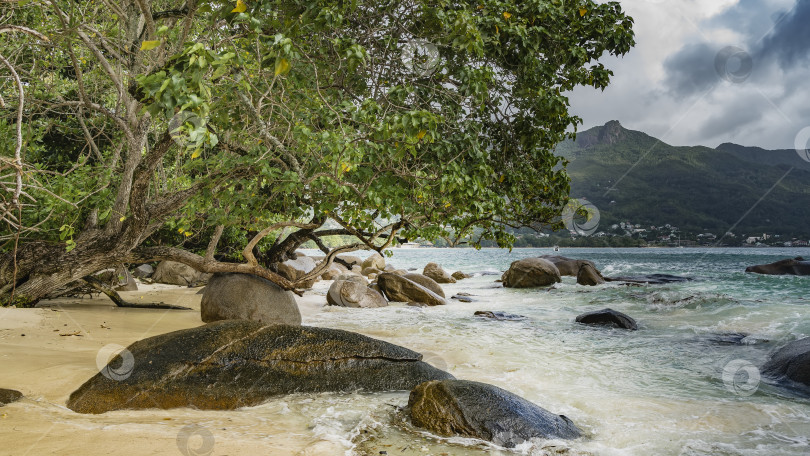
x: 609, y: 133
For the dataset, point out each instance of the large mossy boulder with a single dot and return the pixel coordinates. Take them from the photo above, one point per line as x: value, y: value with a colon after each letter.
x: 439, y: 275
x: 608, y: 317
x: 791, y: 363
x: 248, y: 297
x: 239, y: 363
x: 7, y: 396
x: 482, y: 411
x: 347, y: 293
x: 791, y: 266
x: 174, y: 273
x: 530, y: 273
x: 402, y: 289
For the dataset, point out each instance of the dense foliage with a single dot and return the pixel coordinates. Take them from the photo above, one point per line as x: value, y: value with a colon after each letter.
x: 149, y: 123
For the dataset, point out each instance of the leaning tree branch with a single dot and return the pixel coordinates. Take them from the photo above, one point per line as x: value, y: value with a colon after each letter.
x: 247, y: 253
x: 157, y: 253
x: 120, y: 302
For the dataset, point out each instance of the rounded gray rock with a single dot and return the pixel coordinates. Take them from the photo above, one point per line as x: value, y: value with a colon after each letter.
x: 248, y: 297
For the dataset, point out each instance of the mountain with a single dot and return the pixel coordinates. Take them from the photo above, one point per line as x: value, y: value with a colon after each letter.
x: 633, y: 177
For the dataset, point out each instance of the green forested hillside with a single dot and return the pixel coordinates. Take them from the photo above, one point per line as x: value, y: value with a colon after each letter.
x: 633, y: 177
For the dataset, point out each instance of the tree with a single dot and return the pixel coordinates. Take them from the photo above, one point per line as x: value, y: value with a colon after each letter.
x: 152, y: 127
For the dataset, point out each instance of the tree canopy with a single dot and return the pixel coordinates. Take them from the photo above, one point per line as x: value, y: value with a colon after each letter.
x: 179, y: 129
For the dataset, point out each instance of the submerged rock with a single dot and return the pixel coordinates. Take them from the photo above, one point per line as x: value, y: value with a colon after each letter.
x: 608, y: 317
x: 347, y: 293
x: 791, y: 362
x: 435, y: 272
x: 240, y: 363
x: 402, y: 289
x: 461, y: 298
x: 733, y: 339
x: 531, y: 272
x: 498, y: 315
x: 791, y: 266
x: 650, y: 279
x: 482, y: 411
x: 248, y: 297
x: 7, y: 396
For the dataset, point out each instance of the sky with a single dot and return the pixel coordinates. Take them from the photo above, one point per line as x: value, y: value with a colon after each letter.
x: 706, y: 72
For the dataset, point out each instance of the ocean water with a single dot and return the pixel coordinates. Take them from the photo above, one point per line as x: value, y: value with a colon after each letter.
x: 660, y: 390
x: 674, y: 387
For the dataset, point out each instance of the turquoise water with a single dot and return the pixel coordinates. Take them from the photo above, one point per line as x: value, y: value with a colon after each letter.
x: 659, y: 390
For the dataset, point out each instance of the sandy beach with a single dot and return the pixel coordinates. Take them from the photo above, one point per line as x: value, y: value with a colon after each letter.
x: 50, y: 351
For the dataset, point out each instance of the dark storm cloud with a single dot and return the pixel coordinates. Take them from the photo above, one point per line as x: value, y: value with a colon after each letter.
x: 708, y: 72
x: 691, y: 70
x: 783, y: 40
x: 789, y: 42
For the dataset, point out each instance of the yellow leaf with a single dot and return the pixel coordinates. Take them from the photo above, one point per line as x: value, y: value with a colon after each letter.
x: 501, y: 179
x: 345, y: 167
x: 506, y: 15
x: 196, y: 154
x: 421, y: 134
x: 496, y: 29
x: 187, y: 233
x: 179, y: 230
x: 282, y: 66
x: 149, y: 45
x: 582, y: 12
x: 447, y: 205
x: 122, y: 218
x: 241, y: 7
